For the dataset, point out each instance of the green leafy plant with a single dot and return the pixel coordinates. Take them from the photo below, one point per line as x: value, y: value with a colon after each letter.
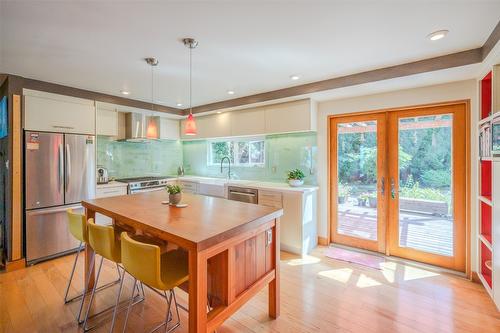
x: 344, y: 190
x: 173, y: 189
x: 295, y: 174
x: 413, y: 190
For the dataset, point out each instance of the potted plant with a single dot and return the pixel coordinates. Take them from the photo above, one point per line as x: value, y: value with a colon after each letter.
x: 372, y: 200
x: 174, y: 194
x: 344, y: 192
x: 295, y: 177
x: 362, y: 199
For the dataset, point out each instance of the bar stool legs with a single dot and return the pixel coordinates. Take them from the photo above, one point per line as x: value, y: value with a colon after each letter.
x: 66, y: 300
x: 169, y: 316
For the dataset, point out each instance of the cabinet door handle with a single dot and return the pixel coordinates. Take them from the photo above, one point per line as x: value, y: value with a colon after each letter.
x: 393, y: 189
x: 63, y: 127
x: 382, y: 186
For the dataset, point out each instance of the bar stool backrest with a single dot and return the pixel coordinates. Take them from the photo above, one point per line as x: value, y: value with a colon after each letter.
x: 77, y: 226
x: 142, y: 261
x: 102, y: 240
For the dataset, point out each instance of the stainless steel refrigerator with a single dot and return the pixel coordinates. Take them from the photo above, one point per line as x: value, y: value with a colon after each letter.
x: 59, y: 174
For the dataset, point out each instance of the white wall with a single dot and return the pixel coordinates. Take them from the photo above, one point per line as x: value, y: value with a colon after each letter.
x: 460, y: 90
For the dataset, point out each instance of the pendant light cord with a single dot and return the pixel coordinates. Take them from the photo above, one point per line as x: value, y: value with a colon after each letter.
x: 190, y: 79
x: 152, y: 89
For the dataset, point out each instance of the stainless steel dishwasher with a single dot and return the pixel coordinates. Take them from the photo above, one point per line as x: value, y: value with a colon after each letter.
x: 243, y: 194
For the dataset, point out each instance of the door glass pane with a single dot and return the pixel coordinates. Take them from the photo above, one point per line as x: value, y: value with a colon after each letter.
x: 357, y: 179
x: 425, y: 174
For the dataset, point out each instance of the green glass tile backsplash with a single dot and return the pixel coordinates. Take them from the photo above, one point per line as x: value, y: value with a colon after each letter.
x: 135, y: 159
x: 163, y: 157
x: 283, y: 152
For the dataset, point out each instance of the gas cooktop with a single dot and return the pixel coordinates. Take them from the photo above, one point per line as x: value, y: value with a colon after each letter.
x: 141, y: 179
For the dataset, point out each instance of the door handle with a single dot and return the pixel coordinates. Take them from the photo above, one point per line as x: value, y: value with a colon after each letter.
x: 68, y: 166
x: 61, y: 167
x: 382, y: 186
x: 393, y: 189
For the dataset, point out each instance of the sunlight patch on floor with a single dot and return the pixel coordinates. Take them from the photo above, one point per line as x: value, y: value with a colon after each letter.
x: 366, y: 281
x: 341, y: 274
x: 414, y: 273
x: 306, y: 260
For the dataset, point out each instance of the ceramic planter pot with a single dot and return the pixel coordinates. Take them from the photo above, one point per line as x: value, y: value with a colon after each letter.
x: 295, y: 182
x: 174, y: 199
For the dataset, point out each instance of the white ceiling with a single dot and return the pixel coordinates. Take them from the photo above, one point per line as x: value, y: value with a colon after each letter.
x: 245, y: 46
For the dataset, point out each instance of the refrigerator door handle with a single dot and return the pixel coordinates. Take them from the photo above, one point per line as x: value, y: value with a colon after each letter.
x: 68, y: 166
x: 61, y: 167
x: 52, y: 210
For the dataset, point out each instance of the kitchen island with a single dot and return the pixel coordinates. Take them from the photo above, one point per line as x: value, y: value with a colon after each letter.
x: 233, y: 247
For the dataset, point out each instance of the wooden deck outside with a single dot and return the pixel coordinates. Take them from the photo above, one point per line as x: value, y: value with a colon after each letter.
x: 423, y: 232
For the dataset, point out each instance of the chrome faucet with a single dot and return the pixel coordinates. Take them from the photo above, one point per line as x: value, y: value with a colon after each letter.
x: 229, y: 170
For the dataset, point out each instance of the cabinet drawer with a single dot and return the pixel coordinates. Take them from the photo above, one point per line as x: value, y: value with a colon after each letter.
x: 270, y: 198
x: 188, y: 187
x: 110, y: 191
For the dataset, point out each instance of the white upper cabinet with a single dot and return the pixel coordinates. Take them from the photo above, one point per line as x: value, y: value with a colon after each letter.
x: 169, y: 129
x: 248, y: 122
x: 107, y: 120
x: 213, y: 126
x: 298, y: 116
x: 57, y: 113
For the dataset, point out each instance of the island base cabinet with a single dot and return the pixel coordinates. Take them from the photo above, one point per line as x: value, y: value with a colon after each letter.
x: 239, y: 270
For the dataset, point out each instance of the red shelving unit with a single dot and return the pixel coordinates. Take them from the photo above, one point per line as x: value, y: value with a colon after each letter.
x: 486, y: 96
x: 485, y: 270
x: 486, y: 195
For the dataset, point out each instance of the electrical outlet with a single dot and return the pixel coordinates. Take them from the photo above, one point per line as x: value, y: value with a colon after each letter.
x: 269, y: 237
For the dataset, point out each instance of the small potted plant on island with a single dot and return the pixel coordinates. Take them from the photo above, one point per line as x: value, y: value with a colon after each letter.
x: 295, y: 177
x: 174, y: 194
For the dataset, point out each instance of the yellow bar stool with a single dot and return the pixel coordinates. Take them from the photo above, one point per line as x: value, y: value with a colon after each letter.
x: 158, y: 271
x: 104, y: 243
x: 78, y: 228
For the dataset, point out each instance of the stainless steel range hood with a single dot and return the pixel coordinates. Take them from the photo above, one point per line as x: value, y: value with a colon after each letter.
x: 136, y: 126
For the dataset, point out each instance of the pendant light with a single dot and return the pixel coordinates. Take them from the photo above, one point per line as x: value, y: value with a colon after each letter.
x: 152, y: 128
x: 190, y: 127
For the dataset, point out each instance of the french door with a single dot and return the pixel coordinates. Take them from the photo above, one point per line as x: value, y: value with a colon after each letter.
x: 398, y: 183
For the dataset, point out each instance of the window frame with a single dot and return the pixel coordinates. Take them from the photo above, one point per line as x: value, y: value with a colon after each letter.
x: 235, y: 150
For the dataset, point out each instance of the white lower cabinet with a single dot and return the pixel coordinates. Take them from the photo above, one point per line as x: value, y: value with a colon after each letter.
x: 188, y: 187
x: 212, y: 190
x: 298, y: 229
x: 108, y: 190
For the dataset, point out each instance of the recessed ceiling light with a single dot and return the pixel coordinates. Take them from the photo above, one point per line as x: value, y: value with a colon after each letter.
x: 219, y: 112
x: 125, y: 92
x: 294, y: 77
x: 230, y: 92
x: 436, y: 35
x: 179, y: 104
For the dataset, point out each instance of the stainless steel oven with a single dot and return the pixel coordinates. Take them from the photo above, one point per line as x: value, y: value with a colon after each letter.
x: 243, y: 194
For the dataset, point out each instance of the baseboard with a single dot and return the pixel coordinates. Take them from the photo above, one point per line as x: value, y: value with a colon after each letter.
x: 322, y: 241
x: 290, y: 249
x: 475, y: 277
x: 15, y: 265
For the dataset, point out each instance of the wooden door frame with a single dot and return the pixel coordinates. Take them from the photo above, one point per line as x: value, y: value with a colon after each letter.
x: 457, y: 262
x: 379, y: 244
x: 331, y: 179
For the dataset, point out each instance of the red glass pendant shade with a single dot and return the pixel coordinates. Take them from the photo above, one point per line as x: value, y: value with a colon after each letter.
x: 190, y: 128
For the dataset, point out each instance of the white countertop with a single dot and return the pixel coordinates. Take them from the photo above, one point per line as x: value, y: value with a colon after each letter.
x: 249, y: 183
x: 112, y: 184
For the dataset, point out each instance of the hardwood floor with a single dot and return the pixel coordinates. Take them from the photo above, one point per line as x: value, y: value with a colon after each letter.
x: 318, y: 294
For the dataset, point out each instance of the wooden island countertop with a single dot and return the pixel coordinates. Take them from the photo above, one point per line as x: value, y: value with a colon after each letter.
x: 233, y: 247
